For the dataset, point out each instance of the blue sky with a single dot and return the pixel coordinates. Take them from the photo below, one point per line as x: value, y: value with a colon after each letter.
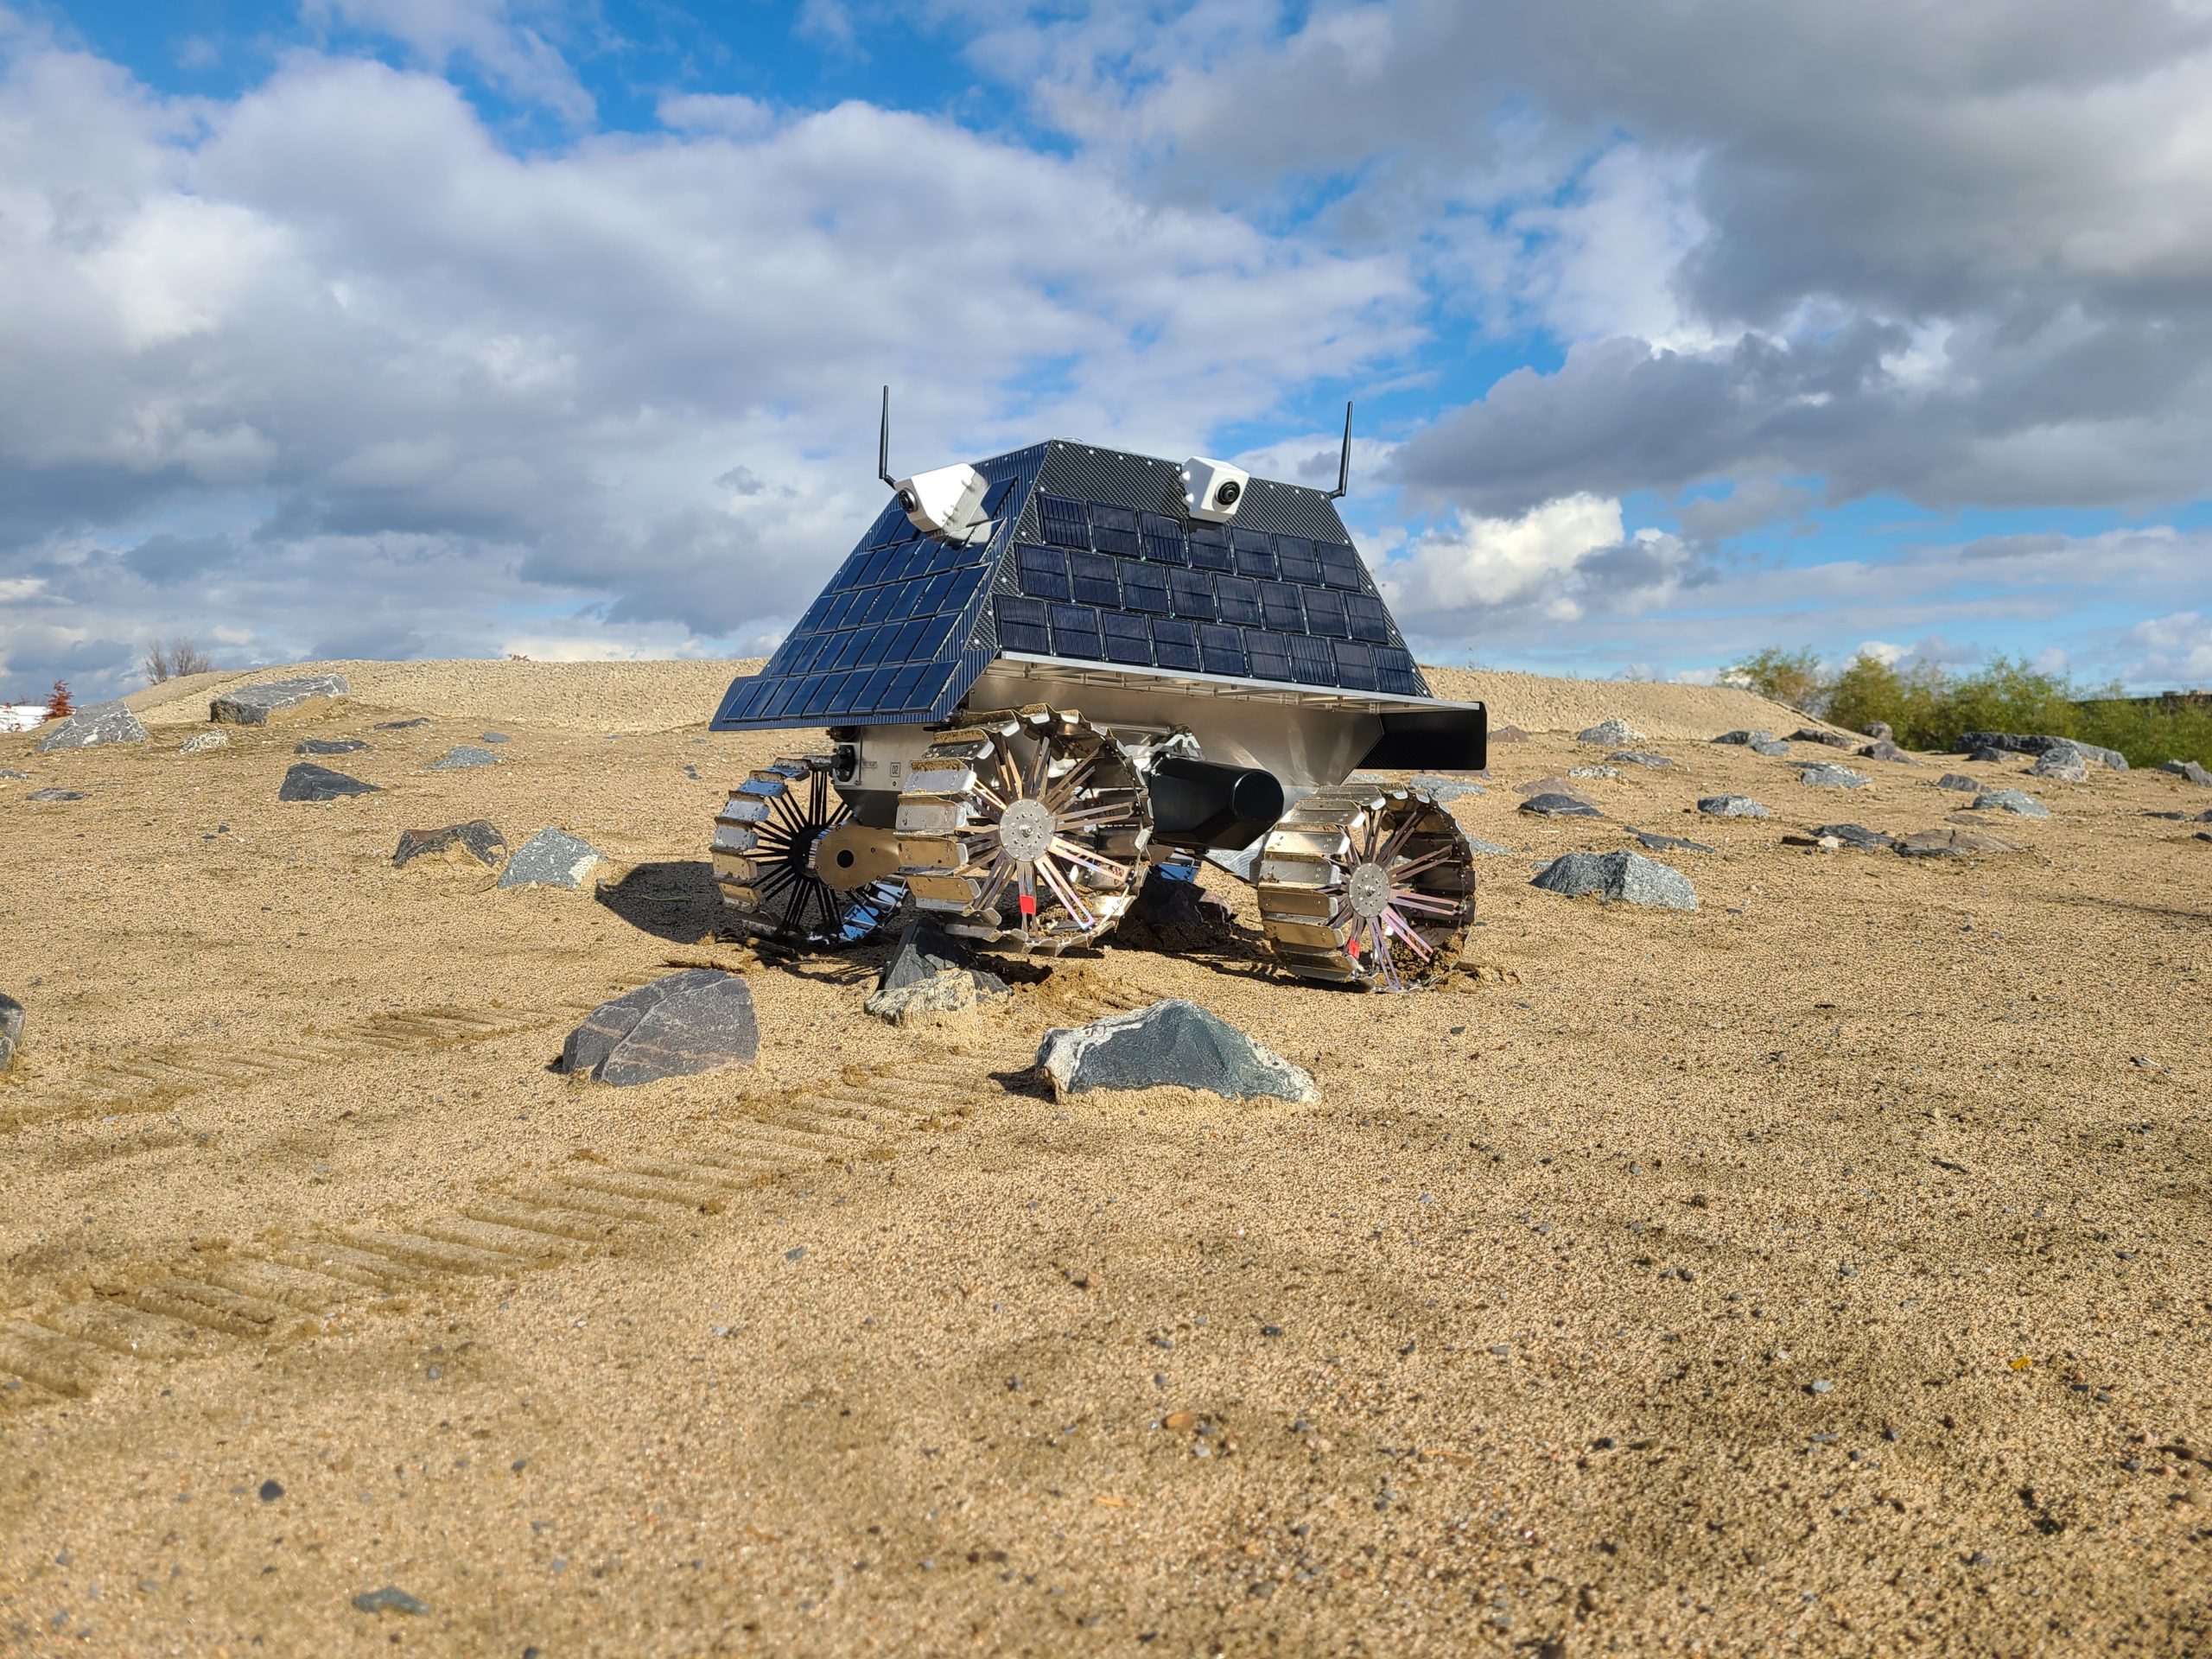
x: 467, y: 326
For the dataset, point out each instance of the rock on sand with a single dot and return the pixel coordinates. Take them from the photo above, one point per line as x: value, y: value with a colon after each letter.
x: 478, y: 841
x: 1630, y: 877
x: 1614, y: 733
x: 1731, y: 806
x: 307, y: 782
x: 1171, y: 1044
x: 1951, y: 844
x: 11, y: 1029
x: 2013, y: 801
x: 257, y: 705
x: 2189, y: 769
x: 698, y: 1020
x: 103, y: 722
x: 551, y: 858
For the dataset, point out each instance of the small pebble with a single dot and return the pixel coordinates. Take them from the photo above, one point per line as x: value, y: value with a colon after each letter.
x: 270, y: 1492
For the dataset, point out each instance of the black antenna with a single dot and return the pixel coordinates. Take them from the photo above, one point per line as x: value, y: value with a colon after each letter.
x: 1344, y: 463
x: 883, y: 440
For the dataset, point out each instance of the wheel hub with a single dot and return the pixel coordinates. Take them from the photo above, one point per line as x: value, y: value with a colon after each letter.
x: 1370, y: 891
x: 1026, y: 828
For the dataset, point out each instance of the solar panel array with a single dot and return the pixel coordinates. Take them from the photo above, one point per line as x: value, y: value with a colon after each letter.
x: 1108, y: 583
x: 1084, y: 560
x: 886, y: 639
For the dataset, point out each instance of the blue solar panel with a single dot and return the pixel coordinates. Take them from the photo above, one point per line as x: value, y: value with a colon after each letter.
x: 1128, y: 638
x: 908, y: 622
x: 1324, y: 613
x: 1096, y: 578
x: 1163, y: 539
x: 1239, y: 599
x: 1075, y: 632
x: 1114, y: 530
x: 1192, y: 591
x: 1021, y: 624
x: 1144, y: 588
x: 1061, y: 521
x: 1042, y: 572
x: 1209, y: 546
x: 1174, y: 645
x: 1223, y: 648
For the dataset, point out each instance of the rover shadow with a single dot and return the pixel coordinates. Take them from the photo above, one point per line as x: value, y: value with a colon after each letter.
x: 677, y: 901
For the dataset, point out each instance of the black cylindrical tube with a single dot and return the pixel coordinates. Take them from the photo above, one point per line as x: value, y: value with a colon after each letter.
x: 1199, y: 804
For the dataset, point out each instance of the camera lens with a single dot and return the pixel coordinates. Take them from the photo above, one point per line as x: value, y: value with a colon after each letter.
x: 906, y: 502
x: 1227, y: 494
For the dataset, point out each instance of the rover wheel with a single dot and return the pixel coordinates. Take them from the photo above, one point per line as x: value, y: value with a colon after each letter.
x: 794, y: 866
x: 1025, y: 830
x: 1366, y: 886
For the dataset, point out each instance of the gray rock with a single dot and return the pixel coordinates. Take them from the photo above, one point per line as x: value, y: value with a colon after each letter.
x: 1638, y: 758
x: 1821, y: 775
x: 951, y: 996
x: 1171, y: 1044
x: 1594, y: 771
x: 103, y: 722
x: 2014, y: 743
x: 1745, y: 738
x: 1882, y: 749
x: 461, y: 755
x: 19, y: 777
x: 1880, y: 732
x: 698, y: 1020
x: 1656, y: 843
x: 1614, y: 733
x: 1553, y: 805
x: 1443, y: 790
x: 255, y: 705
x: 201, y: 742
x: 307, y: 782
x: 925, y: 950
x: 1774, y: 747
x: 1629, y: 877
x: 1508, y: 734
x: 1475, y: 844
x: 11, y: 1029
x: 2013, y: 801
x: 1951, y: 844
x: 2189, y: 769
x: 551, y: 858
x: 1856, y: 834
x: 330, y: 746
x: 1959, y: 781
x: 1983, y: 755
x: 478, y: 841
x: 55, y: 795
x: 400, y: 725
x: 1815, y: 734
x: 2202, y: 835
x: 390, y: 1599
x: 493, y: 737
x: 2068, y: 766
x: 1731, y: 806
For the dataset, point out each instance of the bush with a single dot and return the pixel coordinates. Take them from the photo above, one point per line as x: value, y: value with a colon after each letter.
x: 58, y: 706
x: 1929, y: 709
x: 175, y: 660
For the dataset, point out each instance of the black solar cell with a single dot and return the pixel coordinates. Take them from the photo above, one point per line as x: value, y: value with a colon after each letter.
x: 1340, y: 565
x: 1174, y: 644
x: 1021, y: 624
x: 1192, y: 594
x: 1269, y: 654
x: 1096, y: 578
x: 1209, y: 546
x: 1129, y: 639
x: 1222, y: 649
x: 1042, y: 572
x: 1061, y: 521
x: 1324, y: 613
x: 1075, y: 632
x: 1144, y: 588
x: 1312, y: 661
x: 1239, y: 599
x: 1355, y: 665
x: 1280, y: 608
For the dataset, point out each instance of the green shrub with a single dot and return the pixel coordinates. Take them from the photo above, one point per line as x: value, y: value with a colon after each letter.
x: 1929, y: 709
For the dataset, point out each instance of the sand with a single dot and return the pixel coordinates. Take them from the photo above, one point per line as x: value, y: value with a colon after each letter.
x: 1512, y: 1342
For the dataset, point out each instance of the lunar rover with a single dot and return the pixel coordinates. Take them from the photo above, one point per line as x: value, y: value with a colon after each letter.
x: 1044, y: 672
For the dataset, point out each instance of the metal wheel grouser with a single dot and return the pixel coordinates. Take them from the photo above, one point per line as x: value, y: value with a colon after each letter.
x: 794, y: 866
x: 1026, y: 830
x: 1371, y: 886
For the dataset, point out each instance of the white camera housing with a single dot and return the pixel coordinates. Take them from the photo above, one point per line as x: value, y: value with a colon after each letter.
x: 1212, y: 489
x: 946, y: 503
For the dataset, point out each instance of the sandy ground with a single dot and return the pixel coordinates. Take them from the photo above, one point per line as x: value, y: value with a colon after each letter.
x: 1825, y: 1271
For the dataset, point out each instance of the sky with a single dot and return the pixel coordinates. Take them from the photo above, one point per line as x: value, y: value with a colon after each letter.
x: 469, y: 328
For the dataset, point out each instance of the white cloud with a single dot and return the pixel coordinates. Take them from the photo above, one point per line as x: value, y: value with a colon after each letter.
x: 1494, y: 562
x: 514, y: 54
x: 2171, y: 653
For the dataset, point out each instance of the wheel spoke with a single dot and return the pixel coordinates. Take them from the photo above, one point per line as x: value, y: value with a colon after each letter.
x: 1067, y: 849
x: 1409, y: 935
x: 1426, y: 860
x: 1423, y: 902
x: 1066, y: 893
